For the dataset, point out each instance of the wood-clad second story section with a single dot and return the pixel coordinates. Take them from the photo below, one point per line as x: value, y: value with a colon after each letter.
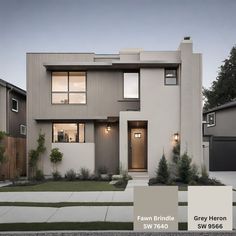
x: 75, y: 92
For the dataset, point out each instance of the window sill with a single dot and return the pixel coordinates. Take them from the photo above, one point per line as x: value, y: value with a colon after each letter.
x: 129, y: 100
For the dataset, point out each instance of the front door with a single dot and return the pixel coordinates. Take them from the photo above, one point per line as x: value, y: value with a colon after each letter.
x: 138, y: 149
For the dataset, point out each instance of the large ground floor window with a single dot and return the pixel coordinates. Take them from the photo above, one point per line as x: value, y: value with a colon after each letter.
x: 68, y: 133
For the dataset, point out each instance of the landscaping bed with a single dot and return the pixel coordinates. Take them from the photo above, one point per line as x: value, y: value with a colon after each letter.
x: 63, y: 186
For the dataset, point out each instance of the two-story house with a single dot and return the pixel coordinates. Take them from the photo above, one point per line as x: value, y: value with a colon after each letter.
x: 13, y: 123
x: 117, y: 110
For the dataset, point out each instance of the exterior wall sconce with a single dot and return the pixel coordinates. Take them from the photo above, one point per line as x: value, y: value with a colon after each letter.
x: 176, y: 137
x: 108, y: 128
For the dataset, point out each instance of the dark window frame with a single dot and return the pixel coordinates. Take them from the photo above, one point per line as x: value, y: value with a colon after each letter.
x: 68, y: 92
x: 77, y: 124
x: 123, y: 85
x: 17, y: 105
x: 214, y: 119
x: 169, y: 68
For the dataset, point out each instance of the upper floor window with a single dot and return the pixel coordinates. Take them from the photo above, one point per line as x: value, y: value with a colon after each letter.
x: 68, y: 132
x: 68, y: 87
x: 170, y: 77
x: 14, y: 105
x: 131, y: 85
x: 211, y: 119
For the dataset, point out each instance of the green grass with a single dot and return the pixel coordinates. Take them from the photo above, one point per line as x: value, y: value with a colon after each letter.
x: 73, y: 226
x: 71, y: 186
x: 67, y: 226
x: 65, y: 204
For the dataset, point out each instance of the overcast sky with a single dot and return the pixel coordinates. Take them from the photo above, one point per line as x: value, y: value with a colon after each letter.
x: 106, y: 26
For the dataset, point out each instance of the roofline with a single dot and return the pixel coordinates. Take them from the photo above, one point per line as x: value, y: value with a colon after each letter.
x: 12, y: 86
x: 221, y: 107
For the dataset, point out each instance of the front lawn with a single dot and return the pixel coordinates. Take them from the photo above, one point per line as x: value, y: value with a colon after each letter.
x: 70, y: 186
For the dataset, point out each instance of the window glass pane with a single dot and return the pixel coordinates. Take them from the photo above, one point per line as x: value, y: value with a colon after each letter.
x: 170, y: 73
x: 59, y: 81
x: 60, y: 98
x: 171, y: 81
x: 81, y: 133
x: 65, y: 133
x: 14, y: 105
x: 77, y: 81
x: 131, y: 85
x: 77, y: 98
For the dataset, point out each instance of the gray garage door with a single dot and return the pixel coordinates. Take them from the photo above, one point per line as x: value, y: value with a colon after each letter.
x: 223, y: 154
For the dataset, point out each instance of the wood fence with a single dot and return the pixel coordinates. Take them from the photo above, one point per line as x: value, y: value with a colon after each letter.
x: 15, y: 164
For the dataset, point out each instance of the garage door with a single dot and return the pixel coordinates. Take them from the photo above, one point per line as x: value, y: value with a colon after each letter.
x: 223, y: 154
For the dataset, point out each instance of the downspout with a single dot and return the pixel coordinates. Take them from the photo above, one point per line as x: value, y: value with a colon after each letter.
x: 8, y: 121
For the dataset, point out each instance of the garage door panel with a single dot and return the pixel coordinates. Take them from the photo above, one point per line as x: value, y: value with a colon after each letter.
x: 223, y: 154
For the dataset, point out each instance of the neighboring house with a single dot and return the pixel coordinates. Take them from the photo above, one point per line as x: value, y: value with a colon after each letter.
x: 220, y: 132
x: 13, y: 122
x: 117, y: 110
x: 12, y: 109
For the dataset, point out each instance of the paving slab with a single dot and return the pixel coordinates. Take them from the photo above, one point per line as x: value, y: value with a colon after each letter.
x: 5, y: 209
x: 226, y: 177
x: 8, y: 196
x: 41, y: 196
x: 105, y: 196
x: 79, y: 214
x: 183, y: 196
x: 27, y: 214
x: 119, y: 214
x: 83, y: 197
x: 126, y: 196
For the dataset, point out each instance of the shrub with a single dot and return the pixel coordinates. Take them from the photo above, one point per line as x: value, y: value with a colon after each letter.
x: 176, y: 153
x: 102, y: 170
x: 56, y: 175
x: 184, y: 168
x: 152, y: 181
x: 194, y: 173
x: 39, y: 176
x: 163, y: 172
x: 84, y: 173
x: 2, y: 148
x: 70, y: 175
x: 56, y: 157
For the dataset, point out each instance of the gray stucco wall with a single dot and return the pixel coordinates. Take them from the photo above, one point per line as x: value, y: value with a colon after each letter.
x: 16, y: 119
x: 225, y: 123
x: 107, y: 147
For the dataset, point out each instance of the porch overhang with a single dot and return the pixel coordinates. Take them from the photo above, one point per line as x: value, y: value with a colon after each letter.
x: 72, y: 66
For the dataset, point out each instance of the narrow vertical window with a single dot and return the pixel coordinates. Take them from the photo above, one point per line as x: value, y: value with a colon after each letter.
x: 14, y: 105
x: 131, y: 85
x: 170, y: 77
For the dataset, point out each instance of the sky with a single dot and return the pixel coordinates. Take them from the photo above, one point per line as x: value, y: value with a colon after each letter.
x: 106, y: 26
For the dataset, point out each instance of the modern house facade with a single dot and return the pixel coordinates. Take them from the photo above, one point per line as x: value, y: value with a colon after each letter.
x: 115, y: 111
x: 220, y: 135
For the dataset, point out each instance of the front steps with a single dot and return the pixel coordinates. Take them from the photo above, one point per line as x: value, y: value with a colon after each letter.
x: 138, y: 179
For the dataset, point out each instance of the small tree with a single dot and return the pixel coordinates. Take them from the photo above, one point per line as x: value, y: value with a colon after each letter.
x: 163, y: 172
x: 176, y: 152
x: 55, y: 157
x: 184, y: 168
x: 34, y: 154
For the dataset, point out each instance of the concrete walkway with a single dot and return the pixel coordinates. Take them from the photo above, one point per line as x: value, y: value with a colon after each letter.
x: 226, y: 177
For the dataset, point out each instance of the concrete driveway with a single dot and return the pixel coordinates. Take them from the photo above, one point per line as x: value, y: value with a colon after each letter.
x: 226, y: 177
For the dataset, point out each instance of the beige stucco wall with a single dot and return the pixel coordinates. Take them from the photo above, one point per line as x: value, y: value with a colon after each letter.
x: 168, y: 109
x: 160, y: 108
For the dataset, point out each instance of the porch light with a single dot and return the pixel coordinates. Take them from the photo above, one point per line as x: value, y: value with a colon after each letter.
x: 176, y: 137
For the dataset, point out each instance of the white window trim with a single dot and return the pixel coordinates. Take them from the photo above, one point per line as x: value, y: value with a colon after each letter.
x: 15, y: 110
x: 211, y: 125
x: 23, y: 127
